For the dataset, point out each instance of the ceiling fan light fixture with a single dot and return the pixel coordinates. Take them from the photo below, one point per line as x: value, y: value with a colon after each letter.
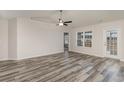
x: 61, y: 24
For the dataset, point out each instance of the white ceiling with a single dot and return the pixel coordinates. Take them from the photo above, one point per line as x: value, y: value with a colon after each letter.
x: 78, y: 17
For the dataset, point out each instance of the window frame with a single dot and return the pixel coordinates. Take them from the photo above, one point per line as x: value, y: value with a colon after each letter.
x: 88, y: 37
x: 84, y: 39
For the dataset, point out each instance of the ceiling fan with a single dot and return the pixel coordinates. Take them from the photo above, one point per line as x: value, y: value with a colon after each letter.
x: 61, y: 22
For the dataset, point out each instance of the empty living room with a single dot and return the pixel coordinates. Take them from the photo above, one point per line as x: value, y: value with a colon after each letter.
x: 61, y: 46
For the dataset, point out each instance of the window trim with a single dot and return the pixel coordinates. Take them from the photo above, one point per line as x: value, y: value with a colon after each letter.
x: 83, y: 40
x: 88, y: 38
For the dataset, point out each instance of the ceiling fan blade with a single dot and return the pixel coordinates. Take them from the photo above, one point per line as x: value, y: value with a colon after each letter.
x: 68, y: 22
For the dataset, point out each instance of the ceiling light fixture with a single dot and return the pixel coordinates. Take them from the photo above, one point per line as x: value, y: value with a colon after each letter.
x: 61, y: 22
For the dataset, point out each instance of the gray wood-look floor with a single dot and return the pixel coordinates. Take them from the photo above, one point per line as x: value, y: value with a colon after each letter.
x: 62, y: 67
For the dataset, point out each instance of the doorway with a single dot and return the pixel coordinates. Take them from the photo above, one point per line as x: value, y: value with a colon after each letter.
x: 66, y: 41
x: 111, y: 43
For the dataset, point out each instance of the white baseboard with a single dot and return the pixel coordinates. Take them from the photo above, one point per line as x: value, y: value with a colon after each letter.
x: 21, y: 58
x: 4, y: 59
x: 122, y: 60
x: 88, y: 54
x: 12, y: 58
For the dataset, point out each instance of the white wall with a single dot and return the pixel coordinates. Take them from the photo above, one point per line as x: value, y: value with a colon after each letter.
x: 37, y: 38
x: 96, y: 48
x: 3, y: 39
x: 12, y: 39
x: 24, y: 38
x: 28, y: 38
x: 97, y: 41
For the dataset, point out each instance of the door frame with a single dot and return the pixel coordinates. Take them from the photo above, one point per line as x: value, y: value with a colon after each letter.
x: 118, y: 42
x: 68, y: 40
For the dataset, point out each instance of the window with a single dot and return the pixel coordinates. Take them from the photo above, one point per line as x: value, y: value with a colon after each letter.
x: 80, y: 39
x: 88, y: 39
x: 84, y: 38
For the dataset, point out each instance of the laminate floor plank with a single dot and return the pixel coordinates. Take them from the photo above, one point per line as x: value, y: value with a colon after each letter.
x: 62, y: 67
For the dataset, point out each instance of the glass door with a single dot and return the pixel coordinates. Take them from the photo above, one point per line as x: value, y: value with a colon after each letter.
x: 112, y: 44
